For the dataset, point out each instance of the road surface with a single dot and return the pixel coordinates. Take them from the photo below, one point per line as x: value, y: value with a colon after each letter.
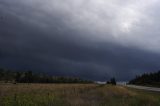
x: 144, y: 88
x: 139, y: 87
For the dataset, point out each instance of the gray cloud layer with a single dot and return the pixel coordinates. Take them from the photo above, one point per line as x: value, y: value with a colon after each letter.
x: 90, y: 39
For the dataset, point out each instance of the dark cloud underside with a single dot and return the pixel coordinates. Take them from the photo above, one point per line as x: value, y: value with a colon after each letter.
x: 79, y: 38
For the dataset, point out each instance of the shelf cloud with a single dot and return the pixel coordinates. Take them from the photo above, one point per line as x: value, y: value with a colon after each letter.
x: 90, y: 39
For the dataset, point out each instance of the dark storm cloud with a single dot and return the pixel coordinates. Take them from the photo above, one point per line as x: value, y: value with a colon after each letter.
x: 79, y: 38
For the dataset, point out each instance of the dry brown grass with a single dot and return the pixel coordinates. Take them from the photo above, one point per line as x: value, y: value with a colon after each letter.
x: 74, y: 95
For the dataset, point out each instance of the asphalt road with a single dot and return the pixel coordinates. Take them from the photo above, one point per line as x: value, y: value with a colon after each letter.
x: 144, y: 88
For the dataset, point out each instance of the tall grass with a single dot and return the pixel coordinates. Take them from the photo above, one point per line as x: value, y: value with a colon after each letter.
x: 74, y: 95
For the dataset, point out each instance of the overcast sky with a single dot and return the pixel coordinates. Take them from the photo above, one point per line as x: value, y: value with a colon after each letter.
x: 91, y: 39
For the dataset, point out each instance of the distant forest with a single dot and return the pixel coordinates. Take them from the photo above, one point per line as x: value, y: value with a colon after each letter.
x: 10, y: 76
x: 148, y: 79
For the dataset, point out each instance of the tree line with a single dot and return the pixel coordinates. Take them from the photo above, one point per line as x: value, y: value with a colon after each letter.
x: 112, y: 81
x: 30, y: 77
x: 152, y: 79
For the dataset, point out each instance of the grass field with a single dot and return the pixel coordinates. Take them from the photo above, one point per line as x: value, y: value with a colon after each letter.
x: 74, y: 95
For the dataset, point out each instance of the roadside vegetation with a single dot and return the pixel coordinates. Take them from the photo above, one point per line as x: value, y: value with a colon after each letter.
x: 147, y: 79
x: 74, y: 95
